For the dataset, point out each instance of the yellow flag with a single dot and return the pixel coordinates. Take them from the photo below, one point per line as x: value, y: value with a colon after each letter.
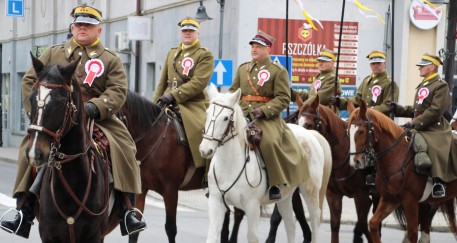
x: 362, y: 10
x: 308, y: 17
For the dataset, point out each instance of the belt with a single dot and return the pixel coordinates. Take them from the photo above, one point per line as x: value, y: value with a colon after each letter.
x: 255, y: 98
x: 175, y: 84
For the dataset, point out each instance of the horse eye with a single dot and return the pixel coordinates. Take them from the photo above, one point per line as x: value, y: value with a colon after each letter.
x: 226, y: 118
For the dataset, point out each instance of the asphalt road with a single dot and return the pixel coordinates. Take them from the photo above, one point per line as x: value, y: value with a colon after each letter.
x: 192, y: 223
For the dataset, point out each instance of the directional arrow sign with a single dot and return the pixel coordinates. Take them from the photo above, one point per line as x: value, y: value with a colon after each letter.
x: 15, y: 8
x: 223, y: 72
x: 282, y: 59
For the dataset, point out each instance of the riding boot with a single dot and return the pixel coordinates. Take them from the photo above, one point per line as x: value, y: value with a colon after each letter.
x: 23, y: 220
x: 438, y: 188
x: 274, y: 193
x: 128, y: 222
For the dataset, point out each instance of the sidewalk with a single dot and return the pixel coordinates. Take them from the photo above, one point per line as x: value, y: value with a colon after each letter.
x: 196, y: 200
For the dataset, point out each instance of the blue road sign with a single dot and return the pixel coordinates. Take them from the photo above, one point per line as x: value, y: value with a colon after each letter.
x: 282, y: 59
x: 15, y: 8
x: 223, y: 72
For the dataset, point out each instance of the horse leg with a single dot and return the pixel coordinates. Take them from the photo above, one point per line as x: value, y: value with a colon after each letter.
x: 171, y: 203
x: 383, y: 210
x: 311, y: 196
x: 426, y: 213
x: 412, y: 220
x: 286, y: 211
x: 300, y: 215
x: 335, y: 203
x: 225, y: 228
x: 140, y: 204
x: 238, y: 216
x: 275, y: 220
x: 362, y: 205
x: 216, y: 214
x: 252, y: 211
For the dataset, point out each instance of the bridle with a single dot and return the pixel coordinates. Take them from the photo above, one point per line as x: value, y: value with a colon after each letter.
x: 316, y: 119
x: 369, y: 154
x: 69, y: 114
x: 229, y: 132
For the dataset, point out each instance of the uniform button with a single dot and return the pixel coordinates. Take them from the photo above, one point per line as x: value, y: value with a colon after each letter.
x: 253, y: 77
x: 80, y: 53
x: 439, y: 123
x: 174, y: 78
x: 110, y: 108
x: 105, y: 101
x: 249, y: 105
x: 368, y: 96
x: 255, y: 69
x: 269, y: 107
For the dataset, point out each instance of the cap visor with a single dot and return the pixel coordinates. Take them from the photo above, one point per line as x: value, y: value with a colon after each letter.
x: 324, y: 59
x: 258, y: 41
x: 86, y: 20
x: 424, y: 63
x: 189, y: 27
x: 376, y: 59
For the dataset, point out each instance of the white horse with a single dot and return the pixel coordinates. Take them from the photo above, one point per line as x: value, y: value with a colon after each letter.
x: 236, y: 177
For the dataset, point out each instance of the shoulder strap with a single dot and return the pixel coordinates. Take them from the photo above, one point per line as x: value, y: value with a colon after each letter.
x: 249, y: 80
x: 185, y: 79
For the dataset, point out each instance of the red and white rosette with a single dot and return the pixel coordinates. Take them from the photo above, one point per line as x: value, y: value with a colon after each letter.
x: 317, y: 84
x: 94, y: 68
x: 187, y: 64
x: 375, y: 91
x: 263, y: 77
x: 422, y: 94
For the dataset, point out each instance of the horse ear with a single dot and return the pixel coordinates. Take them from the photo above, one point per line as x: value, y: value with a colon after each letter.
x: 363, y: 107
x: 211, y: 91
x: 37, y: 64
x: 238, y: 94
x: 350, y: 106
x: 69, y: 70
x: 299, y: 101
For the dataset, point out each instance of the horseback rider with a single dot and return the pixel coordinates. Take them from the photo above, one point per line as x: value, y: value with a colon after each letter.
x: 430, y: 103
x: 376, y: 90
x: 104, y: 93
x: 324, y: 83
x: 265, y: 92
x: 186, y: 72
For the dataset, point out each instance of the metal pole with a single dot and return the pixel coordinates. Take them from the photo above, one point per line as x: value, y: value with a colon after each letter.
x: 221, y: 27
x: 450, y: 57
x: 137, y: 52
x: 392, y: 86
x: 287, y: 48
x: 339, y: 46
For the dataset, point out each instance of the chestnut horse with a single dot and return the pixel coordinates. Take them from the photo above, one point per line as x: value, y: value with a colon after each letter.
x: 166, y: 165
x: 345, y: 180
x: 74, y: 193
x: 380, y: 141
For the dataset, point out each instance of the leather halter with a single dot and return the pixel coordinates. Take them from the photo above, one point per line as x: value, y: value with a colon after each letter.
x: 229, y: 130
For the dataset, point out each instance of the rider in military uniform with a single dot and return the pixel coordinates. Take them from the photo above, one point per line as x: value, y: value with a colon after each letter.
x: 186, y: 72
x: 104, y: 94
x: 265, y: 93
x: 375, y: 90
x: 430, y: 103
x: 324, y: 84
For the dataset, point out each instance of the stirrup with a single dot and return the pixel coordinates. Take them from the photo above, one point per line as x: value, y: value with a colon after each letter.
x: 442, y: 187
x: 20, y: 222
x: 133, y: 210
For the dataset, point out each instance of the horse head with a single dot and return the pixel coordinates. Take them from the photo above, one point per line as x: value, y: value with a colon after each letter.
x: 54, y: 110
x: 221, y: 121
x: 309, y: 114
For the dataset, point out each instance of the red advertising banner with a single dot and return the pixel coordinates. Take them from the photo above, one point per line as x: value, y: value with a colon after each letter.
x: 305, y: 43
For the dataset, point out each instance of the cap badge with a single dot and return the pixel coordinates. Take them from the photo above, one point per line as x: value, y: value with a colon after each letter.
x: 94, y: 68
x: 263, y: 77
x: 376, y: 91
x: 422, y: 94
x: 317, y: 84
x: 187, y: 64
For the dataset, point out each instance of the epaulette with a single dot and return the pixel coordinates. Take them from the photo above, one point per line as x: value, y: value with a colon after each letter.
x: 111, y: 51
x: 278, y: 64
x: 244, y: 63
x: 204, y: 48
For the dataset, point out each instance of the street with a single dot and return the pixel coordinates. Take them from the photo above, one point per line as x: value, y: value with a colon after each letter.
x: 192, y: 222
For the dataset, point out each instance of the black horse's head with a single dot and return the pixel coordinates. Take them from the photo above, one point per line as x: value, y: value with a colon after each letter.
x: 55, y: 102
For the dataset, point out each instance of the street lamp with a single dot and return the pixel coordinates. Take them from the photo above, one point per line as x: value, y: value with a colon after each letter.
x: 201, y: 13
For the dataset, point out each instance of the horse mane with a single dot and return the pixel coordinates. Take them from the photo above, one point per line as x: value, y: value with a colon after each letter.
x: 382, y: 121
x: 141, y: 109
x: 334, y: 123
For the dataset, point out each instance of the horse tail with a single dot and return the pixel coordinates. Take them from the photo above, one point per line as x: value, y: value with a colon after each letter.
x: 448, y: 209
x: 401, y: 218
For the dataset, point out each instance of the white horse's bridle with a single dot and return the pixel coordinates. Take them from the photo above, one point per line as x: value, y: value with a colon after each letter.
x: 229, y: 130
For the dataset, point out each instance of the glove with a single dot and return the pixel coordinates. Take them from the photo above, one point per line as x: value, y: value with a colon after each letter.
x: 91, y: 110
x: 335, y: 100
x: 392, y: 106
x: 258, y: 113
x: 408, y: 125
x: 166, y: 99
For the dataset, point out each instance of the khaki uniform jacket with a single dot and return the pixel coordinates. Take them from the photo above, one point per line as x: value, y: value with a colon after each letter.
x: 380, y: 84
x: 283, y: 156
x: 108, y: 92
x: 189, y: 96
x: 324, y: 86
x: 428, y: 120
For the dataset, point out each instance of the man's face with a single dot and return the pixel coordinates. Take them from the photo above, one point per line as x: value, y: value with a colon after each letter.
x: 85, y: 34
x: 425, y: 71
x: 377, y: 67
x: 325, y: 66
x: 189, y: 36
x: 259, y: 52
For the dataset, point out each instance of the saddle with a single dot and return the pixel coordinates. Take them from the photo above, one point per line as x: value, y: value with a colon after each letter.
x: 174, y: 114
x: 101, y: 145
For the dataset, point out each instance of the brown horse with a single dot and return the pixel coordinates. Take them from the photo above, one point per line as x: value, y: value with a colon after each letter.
x: 74, y: 192
x: 166, y: 165
x: 379, y: 140
x: 344, y: 179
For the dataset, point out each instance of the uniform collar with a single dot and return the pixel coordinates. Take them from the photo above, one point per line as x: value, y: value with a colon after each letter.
x: 262, y: 64
x: 378, y: 77
x: 93, y: 51
x: 430, y: 79
x: 189, y: 50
